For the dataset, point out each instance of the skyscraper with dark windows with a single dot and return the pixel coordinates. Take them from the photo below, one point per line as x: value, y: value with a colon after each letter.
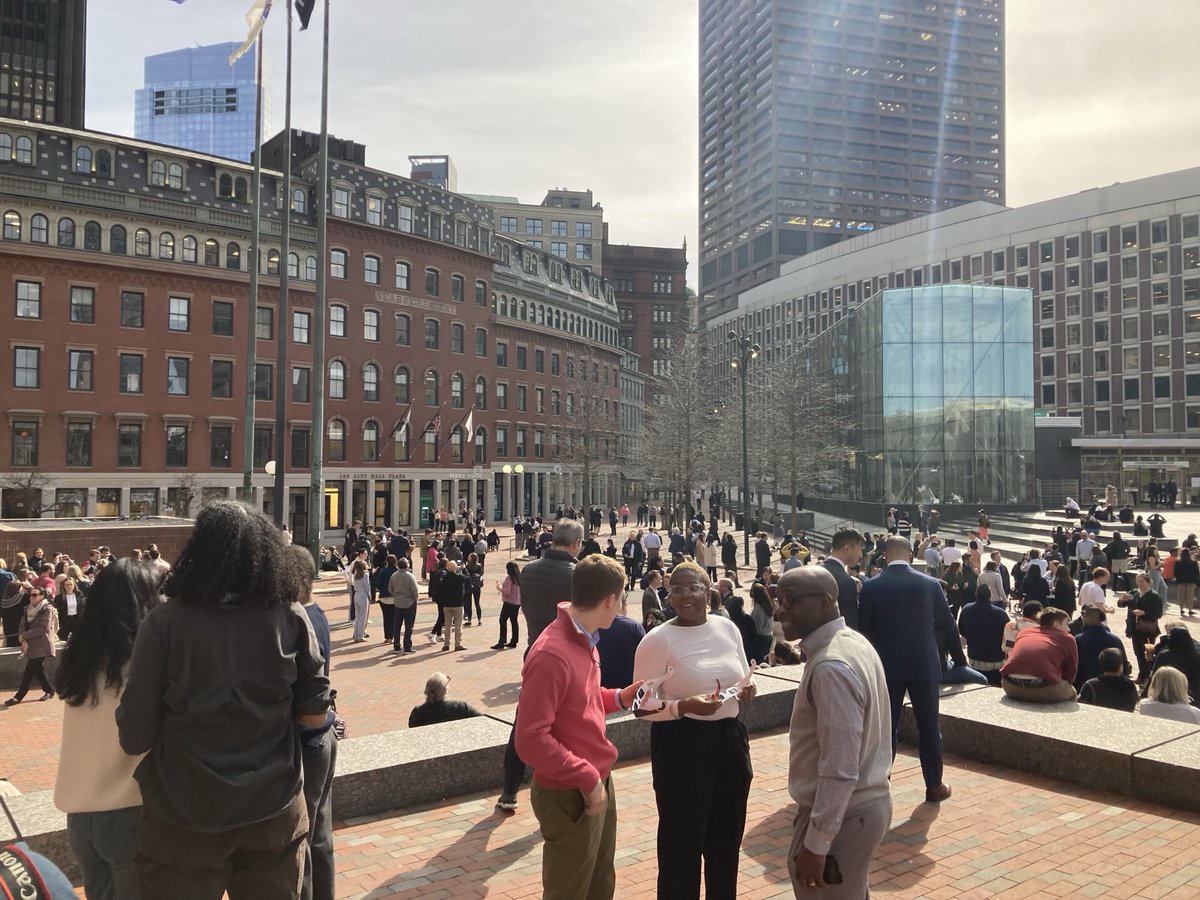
x: 42, y: 49
x: 825, y: 119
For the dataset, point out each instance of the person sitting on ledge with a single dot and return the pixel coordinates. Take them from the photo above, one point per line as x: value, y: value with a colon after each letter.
x: 1112, y: 689
x: 436, y: 708
x: 1167, y: 697
x: 1043, y: 662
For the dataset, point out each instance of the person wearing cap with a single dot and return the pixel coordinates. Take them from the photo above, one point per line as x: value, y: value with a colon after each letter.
x: 436, y: 708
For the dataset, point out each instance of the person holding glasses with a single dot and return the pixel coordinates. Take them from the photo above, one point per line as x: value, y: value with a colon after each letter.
x: 36, y: 631
x: 699, y: 751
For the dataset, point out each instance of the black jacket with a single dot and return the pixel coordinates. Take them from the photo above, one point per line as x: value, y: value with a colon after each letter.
x: 1111, y: 692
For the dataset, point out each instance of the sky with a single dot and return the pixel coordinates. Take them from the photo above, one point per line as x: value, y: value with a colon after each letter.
x: 601, y: 94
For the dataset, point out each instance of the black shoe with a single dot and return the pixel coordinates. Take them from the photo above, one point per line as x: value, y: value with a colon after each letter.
x: 11, y: 701
x: 49, y: 695
x: 511, y: 646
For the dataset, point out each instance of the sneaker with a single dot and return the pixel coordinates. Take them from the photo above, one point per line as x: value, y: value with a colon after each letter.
x: 467, y: 624
x: 460, y: 647
x: 430, y: 637
x: 49, y: 695
x: 506, y: 804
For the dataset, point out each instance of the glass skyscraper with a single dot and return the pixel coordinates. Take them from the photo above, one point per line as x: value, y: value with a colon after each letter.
x: 193, y: 98
x: 938, y: 386
x: 825, y: 119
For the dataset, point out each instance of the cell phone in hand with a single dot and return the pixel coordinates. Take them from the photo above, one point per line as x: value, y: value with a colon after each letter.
x: 833, y: 872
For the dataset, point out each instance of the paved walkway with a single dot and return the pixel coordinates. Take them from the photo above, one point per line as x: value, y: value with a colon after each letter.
x: 1004, y: 834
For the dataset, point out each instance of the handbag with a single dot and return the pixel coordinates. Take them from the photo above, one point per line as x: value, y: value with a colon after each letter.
x: 1145, y: 626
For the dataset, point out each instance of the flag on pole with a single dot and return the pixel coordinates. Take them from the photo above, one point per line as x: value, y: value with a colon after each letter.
x: 467, y: 423
x: 436, y: 424
x: 402, y: 428
x: 304, y: 9
x: 256, y: 17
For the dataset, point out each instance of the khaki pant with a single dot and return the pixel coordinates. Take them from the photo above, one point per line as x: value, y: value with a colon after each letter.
x: 263, y: 861
x: 454, y: 620
x: 1186, y: 595
x: 854, y: 848
x: 1055, y: 692
x: 577, y: 858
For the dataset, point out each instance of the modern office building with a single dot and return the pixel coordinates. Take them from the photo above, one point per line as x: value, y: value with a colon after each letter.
x: 568, y: 224
x: 650, y: 286
x: 193, y: 98
x: 1115, y: 276
x: 43, y: 45
x: 937, y: 384
x: 437, y: 171
x: 820, y: 121
x: 450, y: 352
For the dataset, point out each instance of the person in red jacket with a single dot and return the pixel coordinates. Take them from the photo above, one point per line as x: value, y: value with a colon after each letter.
x: 1043, y: 663
x: 560, y: 733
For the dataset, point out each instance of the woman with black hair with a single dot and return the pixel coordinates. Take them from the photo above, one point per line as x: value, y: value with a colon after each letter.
x: 510, y: 596
x: 95, y: 785
x: 221, y: 676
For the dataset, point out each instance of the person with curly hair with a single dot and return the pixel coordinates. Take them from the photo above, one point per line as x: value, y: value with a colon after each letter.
x: 95, y: 785
x: 221, y: 676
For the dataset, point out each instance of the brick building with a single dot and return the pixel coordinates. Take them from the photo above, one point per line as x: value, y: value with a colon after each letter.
x: 127, y: 362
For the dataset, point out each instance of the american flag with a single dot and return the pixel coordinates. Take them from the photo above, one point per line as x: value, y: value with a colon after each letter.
x: 436, y: 424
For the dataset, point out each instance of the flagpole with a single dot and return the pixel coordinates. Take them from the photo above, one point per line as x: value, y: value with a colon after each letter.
x: 282, y: 376
x: 252, y: 304
x: 316, y: 498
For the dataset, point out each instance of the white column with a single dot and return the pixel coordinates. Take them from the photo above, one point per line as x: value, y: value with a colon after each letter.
x: 506, y: 499
x: 89, y: 508
x: 489, y: 496
x: 535, y: 500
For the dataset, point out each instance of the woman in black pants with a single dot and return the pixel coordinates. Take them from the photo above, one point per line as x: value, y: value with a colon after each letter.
x: 38, y: 624
x: 699, y: 750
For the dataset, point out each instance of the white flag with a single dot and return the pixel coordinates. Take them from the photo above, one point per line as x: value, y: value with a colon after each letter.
x: 256, y: 17
x: 467, y: 423
x: 402, y: 428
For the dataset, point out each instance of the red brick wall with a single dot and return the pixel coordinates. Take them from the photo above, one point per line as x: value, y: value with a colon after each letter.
x: 77, y: 542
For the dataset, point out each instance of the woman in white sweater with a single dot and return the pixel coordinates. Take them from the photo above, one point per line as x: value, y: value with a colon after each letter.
x: 699, y: 750
x: 95, y: 785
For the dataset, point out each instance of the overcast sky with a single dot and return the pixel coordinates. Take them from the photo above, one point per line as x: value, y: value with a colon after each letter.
x: 583, y: 94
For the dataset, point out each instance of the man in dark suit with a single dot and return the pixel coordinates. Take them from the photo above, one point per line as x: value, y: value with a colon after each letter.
x: 845, y: 550
x: 899, y: 611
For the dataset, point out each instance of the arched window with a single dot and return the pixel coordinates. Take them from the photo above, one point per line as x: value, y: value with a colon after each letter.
x: 456, y: 445
x: 12, y: 225
x: 116, y: 240
x: 337, y: 380
x: 480, y: 392
x: 66, y: 232
x: 233, y: 255
x: 521, y: 314
x: 541, y: 315
x: 403, y: 381
x: 39, y: 229
x: 83, y: 160
x: 299, y: 201
x: 431, y: 334
x: 175, y: 176
x: 141, y: 242
x: 370, y: 440
x: 240, y: 190
x: 310, y: 268
x: 503, y: 305
x: 481, y: 342
x: 91, y: 235
x: 212, y: 253
x: 431, y: 445
x: 104, y: 164
x: 158, y: 173
x: 273, y: 262
x: 337, y: 440
x: 293, y: 265
x: 225, y: 185
x: 558, y: 319
x: 400, y: 443
x: 166, y: 245
x: 403, y: 271
x: 24, y: 152
x: 6, y: 150
x: 480, y: 446
x: 432, y: 388
x: 370, y: 378
x: 457, y: 390
x: 457, y: 338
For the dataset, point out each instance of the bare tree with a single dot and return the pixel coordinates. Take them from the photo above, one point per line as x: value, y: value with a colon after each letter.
x: 590, y: 430
x: 27, y: 491
x: 184, y: 494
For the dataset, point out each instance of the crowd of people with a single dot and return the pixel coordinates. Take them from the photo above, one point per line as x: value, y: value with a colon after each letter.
x: 158, y: 790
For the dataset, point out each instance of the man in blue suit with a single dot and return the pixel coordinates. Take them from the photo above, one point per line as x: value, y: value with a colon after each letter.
x: 845, y: 550
x: 899, y: 611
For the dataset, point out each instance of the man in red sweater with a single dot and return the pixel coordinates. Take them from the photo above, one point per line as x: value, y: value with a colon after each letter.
x: 560, y: 734
x: 1042, y: 665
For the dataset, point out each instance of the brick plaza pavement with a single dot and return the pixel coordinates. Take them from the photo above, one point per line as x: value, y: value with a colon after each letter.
x: 1004, y: 834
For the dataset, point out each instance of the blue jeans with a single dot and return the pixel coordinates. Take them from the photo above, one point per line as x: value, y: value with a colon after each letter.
x: 963, y: 675
x: 103, y: 844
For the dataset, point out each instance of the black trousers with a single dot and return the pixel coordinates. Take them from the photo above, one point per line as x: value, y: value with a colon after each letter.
x: 12, y: 624
x: 508, y: 613
x: 389, y: 620
x: 34, y: 668
x: 702, y: 776
x: 404, y: 619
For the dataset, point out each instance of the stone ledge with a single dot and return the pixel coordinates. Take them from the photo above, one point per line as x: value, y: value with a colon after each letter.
x: 1070, y: 742
x: 1162, y: 774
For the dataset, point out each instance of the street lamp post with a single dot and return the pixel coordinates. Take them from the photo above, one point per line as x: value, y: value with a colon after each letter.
x: 747, y: 350
x: 518, y: 506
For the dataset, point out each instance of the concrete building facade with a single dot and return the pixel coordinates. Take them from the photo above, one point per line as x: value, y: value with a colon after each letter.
x: 650, y: 286
x: 1115, y: 275
x: 820, y: 121
x: 567, y: 224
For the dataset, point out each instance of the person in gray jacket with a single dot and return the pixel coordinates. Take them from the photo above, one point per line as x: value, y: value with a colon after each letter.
x: 545, y: 583
x: 405, y: 593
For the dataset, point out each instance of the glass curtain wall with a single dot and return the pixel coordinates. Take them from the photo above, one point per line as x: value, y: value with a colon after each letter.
x: 939, y: 386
